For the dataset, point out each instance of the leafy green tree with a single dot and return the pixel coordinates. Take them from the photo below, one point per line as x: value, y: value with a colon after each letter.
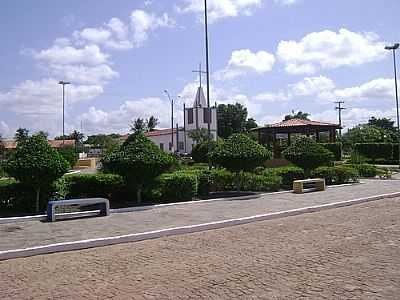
x: 367, y: 134
x: 36, y: 164
x: 21, y: 134
x: 233, y: 119
x: 151, y: 123
x: 383, y: 123
x: 139, y: 161
x: 250, y: 124
x: 306, y: 153
x: 69, y: 154
x: 43, y: 134
x: 239, y: 153
x: 138, y: 125
x: 199, y: 135
x: 297, y: 115
x: 200, y: 151
x: 103, y: 141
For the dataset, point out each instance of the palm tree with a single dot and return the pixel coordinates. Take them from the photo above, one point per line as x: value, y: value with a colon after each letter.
x: 297, y: 115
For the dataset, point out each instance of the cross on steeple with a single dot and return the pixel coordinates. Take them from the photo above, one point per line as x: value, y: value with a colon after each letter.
x: 200, y: 72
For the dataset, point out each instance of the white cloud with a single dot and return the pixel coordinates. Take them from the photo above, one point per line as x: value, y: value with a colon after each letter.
x: 377, y: 89
x: 93, y: 35
x: 97, y: 120
x: 4, y: 129
x: 85, y: 74
x: 329, y: 49
x: 142, y: 23
x: 268, y: 97
x: 312, y: 86
x: 286, y: 2
x: 219, y: 9
x: 68, y: 55
x: 353, y: 116
x: 245, y: 61
x: 44, y: 96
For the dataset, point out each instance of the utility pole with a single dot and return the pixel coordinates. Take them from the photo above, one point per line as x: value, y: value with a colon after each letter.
x: 63, y: 83
x: 340, y: 108
x: 172, y: 119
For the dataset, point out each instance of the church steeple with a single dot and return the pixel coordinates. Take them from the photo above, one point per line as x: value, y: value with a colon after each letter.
x: 200, y: 100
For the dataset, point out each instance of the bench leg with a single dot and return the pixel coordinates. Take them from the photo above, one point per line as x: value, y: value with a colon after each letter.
x: 104, y: 209
x: 51, y: 214
x: 320, y: 186
x: 298, y: 188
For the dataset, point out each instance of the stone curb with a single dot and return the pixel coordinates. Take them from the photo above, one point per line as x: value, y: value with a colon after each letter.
x: 100, y: 242
x: 9, y: 220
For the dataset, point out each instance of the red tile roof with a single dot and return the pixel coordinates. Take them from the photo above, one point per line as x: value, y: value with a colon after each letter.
x: 154, y: 133
x: 299, y: 122
x: 12, y: 144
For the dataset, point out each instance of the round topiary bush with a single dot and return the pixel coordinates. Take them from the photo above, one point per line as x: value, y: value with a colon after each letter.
x: 308, y: 154
x: 35, y: 164
x: 139, y: 161
x: 239, y: 153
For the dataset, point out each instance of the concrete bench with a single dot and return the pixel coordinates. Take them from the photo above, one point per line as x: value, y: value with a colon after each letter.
x: 102, y: 203
x: 317, y: 183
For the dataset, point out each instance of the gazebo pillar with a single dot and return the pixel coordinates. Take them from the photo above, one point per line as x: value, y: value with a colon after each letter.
x: 289, y: 138
x: 317, y: 136
x: 332, y: 135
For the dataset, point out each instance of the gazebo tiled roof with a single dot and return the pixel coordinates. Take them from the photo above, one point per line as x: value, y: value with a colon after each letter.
x: 299, y: 123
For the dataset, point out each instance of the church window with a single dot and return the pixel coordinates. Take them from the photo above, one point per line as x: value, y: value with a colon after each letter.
x: 207, y: 115
x: 190, y: 115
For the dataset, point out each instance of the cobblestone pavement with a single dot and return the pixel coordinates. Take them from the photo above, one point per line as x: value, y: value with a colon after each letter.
x: 36, y: 233
x: 346, y: 253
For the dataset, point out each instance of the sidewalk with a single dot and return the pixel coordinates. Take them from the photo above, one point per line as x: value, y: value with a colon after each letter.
x: 36, y: 233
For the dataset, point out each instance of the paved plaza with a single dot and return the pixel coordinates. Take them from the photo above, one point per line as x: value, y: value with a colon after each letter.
x: 345, y: 253
x: 36, y: 233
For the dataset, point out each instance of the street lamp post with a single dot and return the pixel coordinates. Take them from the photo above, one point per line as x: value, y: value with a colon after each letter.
x: 209, y: 115
x: 172, y: 119
x: 394, y: 48
x: 63, y: 83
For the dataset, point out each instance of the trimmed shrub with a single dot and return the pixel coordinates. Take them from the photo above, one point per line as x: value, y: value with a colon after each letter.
x: 307, y: 154
x: 139, y: 161
x: 260, y: 183
x: 366, y: 170
x: 337, y: 175
x: 325, y: 172
x: 335, y: 148
x: 178, y: 186
x: 375, y: 151
x: 215, y: 180
x: 288, y: 174
x: 200, y: 151
x: 16, y: 198
x: 239, y: 153
x: 34, y: 163
x: 108, y: 186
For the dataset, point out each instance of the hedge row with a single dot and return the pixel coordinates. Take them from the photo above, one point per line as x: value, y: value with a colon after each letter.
x: 378, y: 151
x: 337, y: 175
x: 335, y: 148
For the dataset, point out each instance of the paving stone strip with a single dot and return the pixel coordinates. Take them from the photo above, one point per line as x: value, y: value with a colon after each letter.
x: 345, y: 253
x: 36, y: 233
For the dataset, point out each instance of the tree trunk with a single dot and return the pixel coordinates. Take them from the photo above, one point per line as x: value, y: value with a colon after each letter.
x: 237, y: 182
x: 37, y: 200
x: 139, y: 195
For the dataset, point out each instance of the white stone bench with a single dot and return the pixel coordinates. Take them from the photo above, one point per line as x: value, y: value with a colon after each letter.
x: 318, y: 184
x: 103, y: 204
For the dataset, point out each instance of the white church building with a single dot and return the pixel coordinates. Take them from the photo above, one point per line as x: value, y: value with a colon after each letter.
x: 195, y: 117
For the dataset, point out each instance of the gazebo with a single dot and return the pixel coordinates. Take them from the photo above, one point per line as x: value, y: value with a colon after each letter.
x: 272, y: 133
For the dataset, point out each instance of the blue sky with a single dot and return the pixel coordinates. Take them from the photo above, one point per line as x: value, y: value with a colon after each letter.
x: 271, y: 55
